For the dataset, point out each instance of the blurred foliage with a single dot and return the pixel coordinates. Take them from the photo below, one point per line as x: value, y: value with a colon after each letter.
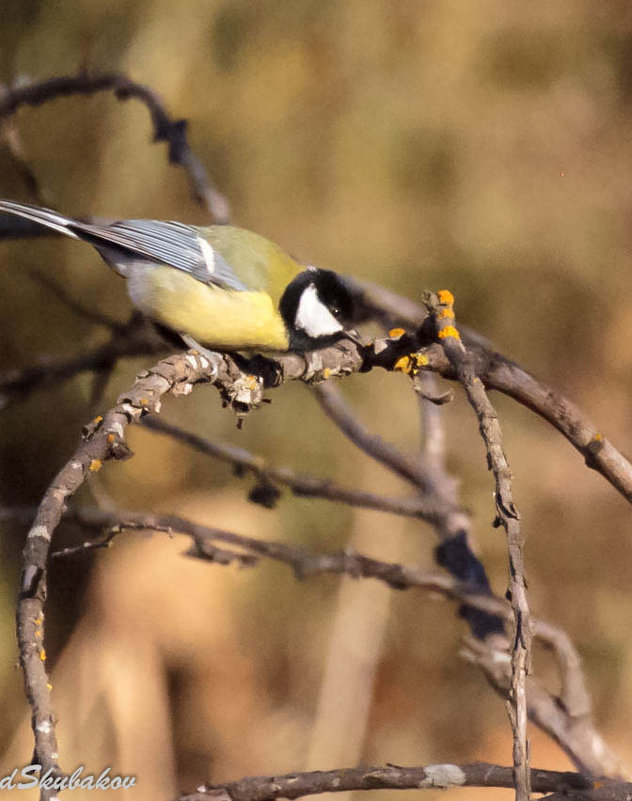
x: 417, y: 143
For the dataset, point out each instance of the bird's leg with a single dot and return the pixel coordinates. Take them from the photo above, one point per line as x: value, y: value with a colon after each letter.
x: 193, y: 344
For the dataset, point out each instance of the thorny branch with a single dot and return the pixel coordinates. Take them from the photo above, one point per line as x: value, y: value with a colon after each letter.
x: 165, y: 129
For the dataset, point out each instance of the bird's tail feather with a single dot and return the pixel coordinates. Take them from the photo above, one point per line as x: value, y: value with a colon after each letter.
x: 46, y: 217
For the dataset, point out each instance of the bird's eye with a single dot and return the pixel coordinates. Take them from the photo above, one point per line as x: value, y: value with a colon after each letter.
x: 335, y: 310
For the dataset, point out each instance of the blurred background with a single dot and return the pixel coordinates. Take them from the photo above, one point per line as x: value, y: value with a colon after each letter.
x: 483, y: 147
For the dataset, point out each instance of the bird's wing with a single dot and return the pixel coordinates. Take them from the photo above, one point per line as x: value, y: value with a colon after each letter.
x: 178, y: 245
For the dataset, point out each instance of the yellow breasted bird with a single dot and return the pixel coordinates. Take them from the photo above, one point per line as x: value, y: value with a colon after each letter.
x: 218, y: 286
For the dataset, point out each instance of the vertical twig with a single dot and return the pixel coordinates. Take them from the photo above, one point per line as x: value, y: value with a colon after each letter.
x: 507, y: 516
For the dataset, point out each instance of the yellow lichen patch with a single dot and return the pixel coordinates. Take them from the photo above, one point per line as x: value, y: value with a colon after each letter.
x: 446, y: 298
x: 38, y: 621
x: 420, y: 359
x: 410, y: 363
x: 144, y: 401
x: 598, y: 438
x: 326, y: 373
x: 95, y: 465
x: 403, y: 364
x: 42, y: 655
x: 444, y: 313
x: 111, y: 438
x: 98, y: 419
x: 38, y: 632
x: 396, y: 333
x: 251, y: 382
x: 49, y: 686
x: 449, y: 331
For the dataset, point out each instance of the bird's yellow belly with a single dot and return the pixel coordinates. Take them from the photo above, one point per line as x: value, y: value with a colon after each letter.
x: 217, y: 318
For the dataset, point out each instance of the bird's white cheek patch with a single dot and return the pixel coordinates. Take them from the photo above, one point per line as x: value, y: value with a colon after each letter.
x: 208, y: 253
x: 313, y: 317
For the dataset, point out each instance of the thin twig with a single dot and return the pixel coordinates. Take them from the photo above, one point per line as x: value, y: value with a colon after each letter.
x: 451, y: 519
x: 304, y: 486
x: 451, y: 524
x: 508, y: 516
x: 304, y: 563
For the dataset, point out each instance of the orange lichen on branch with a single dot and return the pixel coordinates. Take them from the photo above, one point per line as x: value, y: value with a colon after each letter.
x: 396, y: 333
x: 449, y: 331
x: 411, y: 363
x: 95, y: 465
x: 42, y: 655
x: 444, y: 316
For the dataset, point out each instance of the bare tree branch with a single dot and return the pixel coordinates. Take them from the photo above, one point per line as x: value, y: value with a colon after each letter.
x: 508, y: 516
x: 166, y: 129
x: 566, y: 719
x: 304, y: 486
x: 452, y: 523
x: 452, y: 518
x: 104, y: 441
x: 395, y: 777
x: 494, y: 370
x: 242, y: 391
x: 576, y: 736
x: 137, y: 338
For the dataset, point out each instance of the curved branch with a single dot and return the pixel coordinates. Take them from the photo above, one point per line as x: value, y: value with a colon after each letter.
x: 166, y: 129
x: 103, y: 441
x: 497, y: 372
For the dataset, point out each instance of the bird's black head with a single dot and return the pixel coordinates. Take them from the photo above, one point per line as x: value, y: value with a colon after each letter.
x: 316, y: 307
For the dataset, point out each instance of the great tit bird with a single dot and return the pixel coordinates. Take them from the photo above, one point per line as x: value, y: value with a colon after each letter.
x: 220, y: 287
